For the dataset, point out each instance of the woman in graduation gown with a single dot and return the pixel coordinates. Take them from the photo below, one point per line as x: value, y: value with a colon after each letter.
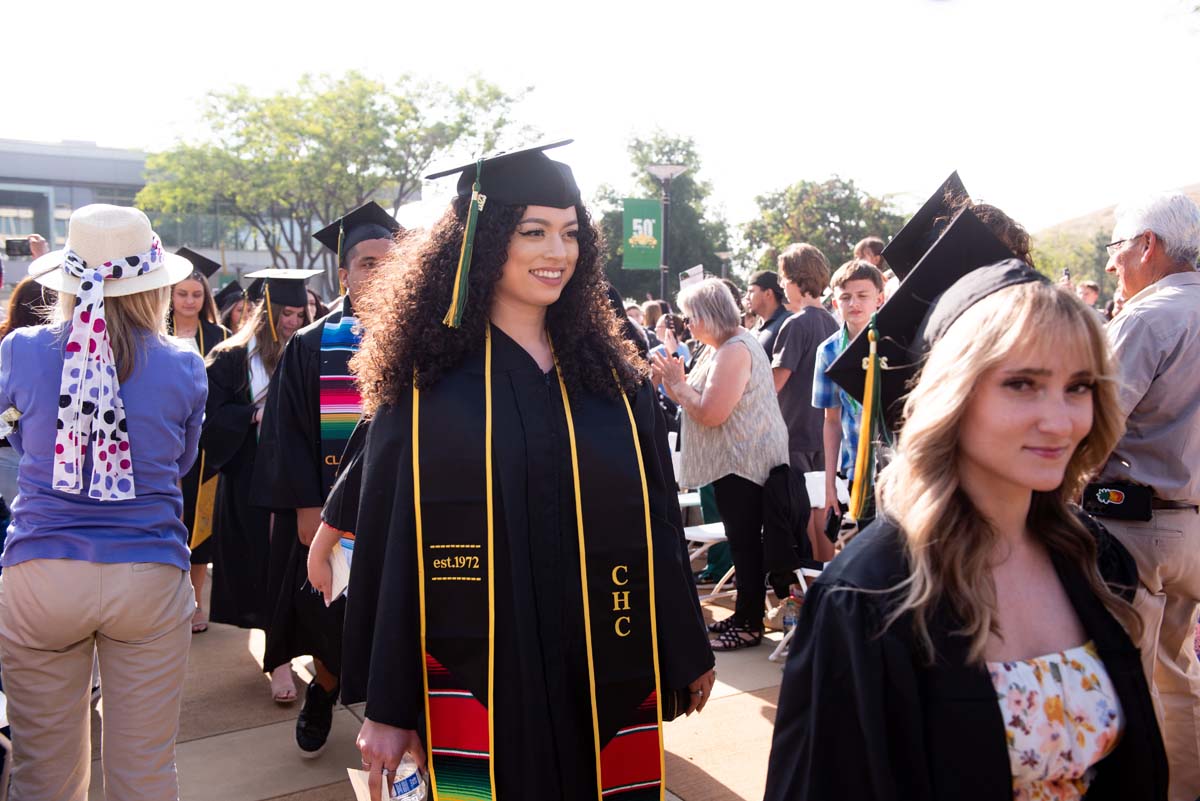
x: 239, y: 372
x: 520, y: 617
x: 972, y: 642
x: 192, y: 320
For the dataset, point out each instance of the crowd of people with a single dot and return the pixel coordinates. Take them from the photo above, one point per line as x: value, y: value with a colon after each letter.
x: 455, y: 488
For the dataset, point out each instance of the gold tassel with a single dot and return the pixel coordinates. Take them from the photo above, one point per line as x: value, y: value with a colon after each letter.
x: 270, y: 316
x: 862, y: 461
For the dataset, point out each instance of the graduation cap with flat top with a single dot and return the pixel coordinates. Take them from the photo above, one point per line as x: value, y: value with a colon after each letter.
x: 368, y: 221
x: 919, y: 233
x: 228, y: 294
x: 284, y: 287
x: 525, y: 177
x: 966, y: 245
x: 201, y: 264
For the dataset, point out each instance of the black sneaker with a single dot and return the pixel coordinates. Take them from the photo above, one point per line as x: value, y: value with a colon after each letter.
x: 315, y: 721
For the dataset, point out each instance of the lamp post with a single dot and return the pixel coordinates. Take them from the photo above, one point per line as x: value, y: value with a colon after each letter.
x: 724, y: 256
x: 664, y: 174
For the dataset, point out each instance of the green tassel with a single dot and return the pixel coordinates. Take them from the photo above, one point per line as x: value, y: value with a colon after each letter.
x: 458, y: 296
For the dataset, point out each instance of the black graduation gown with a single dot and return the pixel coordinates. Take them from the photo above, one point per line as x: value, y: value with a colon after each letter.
x: 543, y: 733
x: 288, y: 476
x: 241, y: 530
x: 862, y: 716
x: 190, y: 483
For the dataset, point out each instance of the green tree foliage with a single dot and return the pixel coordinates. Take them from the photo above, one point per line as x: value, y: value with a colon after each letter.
x: 285, y: 165
x: 832, y: 215
x: 1080, y: 253
x: 695, y: 232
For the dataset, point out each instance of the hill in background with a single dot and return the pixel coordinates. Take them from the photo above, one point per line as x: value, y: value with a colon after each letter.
x: 1101, y: 220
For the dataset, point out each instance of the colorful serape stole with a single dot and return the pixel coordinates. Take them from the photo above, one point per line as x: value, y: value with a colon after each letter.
x: 455, y: 533
x: 340, y: 401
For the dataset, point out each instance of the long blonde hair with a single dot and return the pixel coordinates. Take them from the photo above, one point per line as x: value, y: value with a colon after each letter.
x: 128, y: 319
x: 947, y: 541
x: 257, y: 324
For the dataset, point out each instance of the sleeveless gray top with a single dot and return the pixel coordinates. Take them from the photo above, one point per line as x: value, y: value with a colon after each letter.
x: 751, y: 441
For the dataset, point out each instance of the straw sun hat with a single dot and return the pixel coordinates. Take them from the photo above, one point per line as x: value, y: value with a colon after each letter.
x: 100, y: 234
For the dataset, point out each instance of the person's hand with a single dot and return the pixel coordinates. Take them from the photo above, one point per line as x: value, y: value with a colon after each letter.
x: 701, y: 691
x: 656, y: 376
x: 382, y: 747
x: 831, y: 498
x: 308, y: 520
x: 671, y: 370
x: 670, y: 341
x: 38, y: 246
x: 320, y: 571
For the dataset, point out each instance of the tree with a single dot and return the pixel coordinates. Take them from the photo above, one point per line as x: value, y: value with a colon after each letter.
x: 696, y: 233
x: 287, y: 164
x: 832, y: 215
x: 1081, y: 253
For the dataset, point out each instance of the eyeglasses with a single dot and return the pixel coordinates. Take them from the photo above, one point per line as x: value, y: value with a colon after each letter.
x: 1113, y: 247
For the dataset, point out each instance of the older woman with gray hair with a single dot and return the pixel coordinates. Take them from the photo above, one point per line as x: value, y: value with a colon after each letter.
x: 733, y: 435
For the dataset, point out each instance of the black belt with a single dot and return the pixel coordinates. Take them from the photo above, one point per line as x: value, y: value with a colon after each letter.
x: 1159, y: 503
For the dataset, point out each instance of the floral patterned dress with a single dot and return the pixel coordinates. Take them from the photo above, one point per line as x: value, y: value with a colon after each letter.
x: 1061, y: 717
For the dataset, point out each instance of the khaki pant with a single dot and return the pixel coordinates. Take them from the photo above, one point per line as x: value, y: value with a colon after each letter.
x: 1167, y: 551
x: 54, y: 613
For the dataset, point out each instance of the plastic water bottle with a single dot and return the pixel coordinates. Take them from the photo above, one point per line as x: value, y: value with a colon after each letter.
x: 408, y: 783
x: 791, y: 612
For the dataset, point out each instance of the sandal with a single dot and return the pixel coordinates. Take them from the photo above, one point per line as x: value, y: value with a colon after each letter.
x: 199, y: 621
x: 283, y: 685
x: 734, y: 639
x: 728, y: 624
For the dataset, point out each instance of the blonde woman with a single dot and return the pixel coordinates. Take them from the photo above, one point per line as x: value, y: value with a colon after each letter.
x: 239, y: 372
x: 96, y: 560
x: 971, y: 643
x: 733, y: 435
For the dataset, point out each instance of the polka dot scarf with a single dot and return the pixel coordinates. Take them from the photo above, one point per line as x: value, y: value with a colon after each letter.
x: 90, y: 410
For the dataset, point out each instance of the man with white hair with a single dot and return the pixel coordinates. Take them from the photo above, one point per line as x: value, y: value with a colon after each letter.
x: 1149, y: 490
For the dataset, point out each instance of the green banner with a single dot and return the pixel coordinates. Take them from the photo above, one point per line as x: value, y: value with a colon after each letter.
x: 642, y: 244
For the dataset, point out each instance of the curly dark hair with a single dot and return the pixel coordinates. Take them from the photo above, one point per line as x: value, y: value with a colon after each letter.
x: 406, y: 299
x: 1005, y: 228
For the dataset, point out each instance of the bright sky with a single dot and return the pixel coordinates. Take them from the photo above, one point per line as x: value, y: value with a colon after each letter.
x: 1048, y: 108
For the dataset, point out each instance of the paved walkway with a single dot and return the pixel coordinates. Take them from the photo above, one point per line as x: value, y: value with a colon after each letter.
x: 235, y: 744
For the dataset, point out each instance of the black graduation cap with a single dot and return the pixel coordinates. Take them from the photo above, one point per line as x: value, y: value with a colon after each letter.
x: 368, y: 221
x: 202, y: 264
x: 228, y: 294
x: 966, y: 245
x: 284, y: 287
x: 525, y: 177
x: 254, y: 292
x: 919, y: 233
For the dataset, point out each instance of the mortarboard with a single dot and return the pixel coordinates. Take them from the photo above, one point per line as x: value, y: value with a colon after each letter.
x: 283, y: 287
x: 967, y: 244
x: 231, y: 291
x: 368, y: 221
x: 201, y: 264
x: 919, y: 233
x: 525, y: 177
x: 254, y: 292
